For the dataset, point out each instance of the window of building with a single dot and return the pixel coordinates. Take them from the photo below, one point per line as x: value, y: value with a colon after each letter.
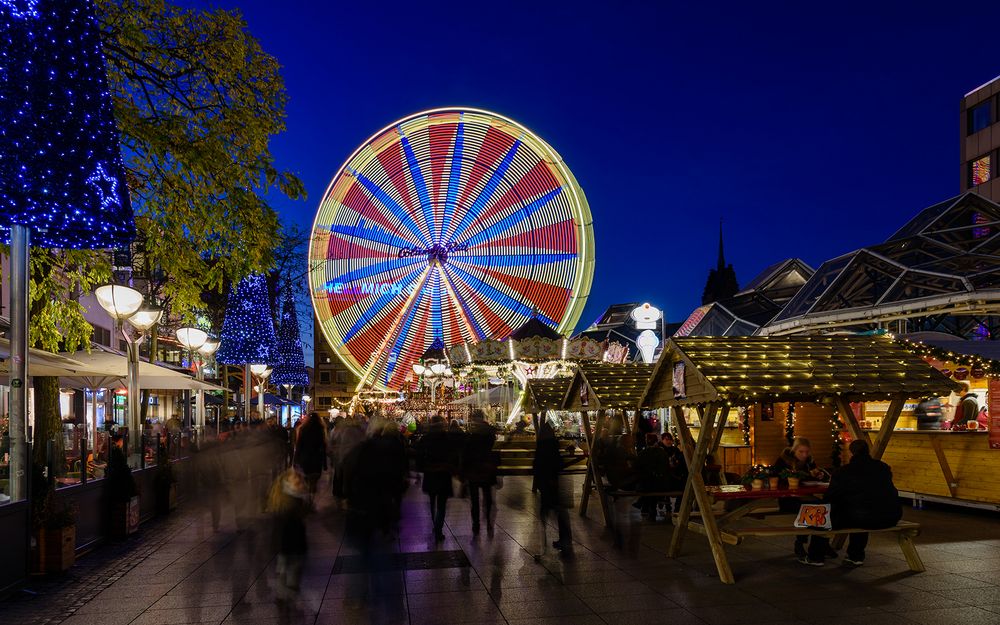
x: 325, y: 402
x: 980, y: 116
x: 980, y: 170
x: 341, y: 377
x: 324, y: 377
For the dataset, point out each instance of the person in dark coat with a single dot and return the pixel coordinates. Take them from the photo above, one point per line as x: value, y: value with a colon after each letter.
x: 479, y: 468
x: 288, y: 501
x: 653, y: 463
x: 547, y: 467
x: 434, y: 458
x: 861, y: 494
x: 310, y: 449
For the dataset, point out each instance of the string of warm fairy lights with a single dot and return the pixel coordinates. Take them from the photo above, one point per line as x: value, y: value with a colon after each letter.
x: 745, y: 424
x: 790, y: 424
x: 989, y: 366
x: 836, y: 425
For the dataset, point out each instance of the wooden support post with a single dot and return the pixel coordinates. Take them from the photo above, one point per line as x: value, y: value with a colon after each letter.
x: 949, y: 478
x: 888, y: 426
x: 588, y: 481
x: 844, y: 407
x: 717, y: 441
x: 595, y: 473
x: 910, y: 552
x: 714, y: 418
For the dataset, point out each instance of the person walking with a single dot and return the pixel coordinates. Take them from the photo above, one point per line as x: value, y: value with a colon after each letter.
x: 547, y: 467
x: 861, y: 494
x: 310, y: 450
x: 479, y: 468
x: 434, y: 459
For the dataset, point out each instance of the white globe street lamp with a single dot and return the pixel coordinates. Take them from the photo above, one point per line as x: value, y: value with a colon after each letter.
x: 124, y: 304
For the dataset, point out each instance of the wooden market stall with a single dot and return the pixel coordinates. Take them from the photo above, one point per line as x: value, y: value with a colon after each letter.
x: 708, y: 375
x: 517, y: 452
x: 604, y: 389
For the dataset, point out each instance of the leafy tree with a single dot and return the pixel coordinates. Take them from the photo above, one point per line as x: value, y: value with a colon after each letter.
x: 197, y: 101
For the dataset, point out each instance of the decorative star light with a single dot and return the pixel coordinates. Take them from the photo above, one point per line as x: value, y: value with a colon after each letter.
x: 106, y: 187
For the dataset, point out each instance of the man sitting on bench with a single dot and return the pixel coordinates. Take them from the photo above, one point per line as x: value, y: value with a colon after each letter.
x: 861, y: 495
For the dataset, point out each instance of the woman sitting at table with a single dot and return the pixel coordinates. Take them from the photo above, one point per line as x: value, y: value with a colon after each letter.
x: 798, y: 458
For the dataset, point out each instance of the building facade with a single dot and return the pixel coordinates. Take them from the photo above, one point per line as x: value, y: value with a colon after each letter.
x: 980, y: 140
x: 333, y: 383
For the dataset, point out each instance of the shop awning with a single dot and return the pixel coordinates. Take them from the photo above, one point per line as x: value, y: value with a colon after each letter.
x: 43, y: 363
x: 105, y: 369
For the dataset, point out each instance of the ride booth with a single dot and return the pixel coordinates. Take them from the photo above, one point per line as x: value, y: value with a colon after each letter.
x: 820, y: 382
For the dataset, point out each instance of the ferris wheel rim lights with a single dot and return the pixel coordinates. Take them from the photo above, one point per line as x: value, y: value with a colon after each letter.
x: 454, y: 221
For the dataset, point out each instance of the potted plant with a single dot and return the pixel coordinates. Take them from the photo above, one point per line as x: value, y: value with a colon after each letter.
x: 793, y: 478
x: 122, y: 494
x: 53, y: 528
x: 773, y: 479
x: 756, y: 476
x: 164, y: 483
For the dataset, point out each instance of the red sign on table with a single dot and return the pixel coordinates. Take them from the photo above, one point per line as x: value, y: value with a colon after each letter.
x: 994, y: 413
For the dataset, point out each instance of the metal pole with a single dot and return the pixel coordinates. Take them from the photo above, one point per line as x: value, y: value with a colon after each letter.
x: 260, y: 399
x: 247, y: 382
x: 200, y: 395
x: 134, y: 423
x: 19, y: 271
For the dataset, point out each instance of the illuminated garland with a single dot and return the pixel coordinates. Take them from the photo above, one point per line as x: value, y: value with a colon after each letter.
x: 790, y: 424
x: 745, y: 424
x: 990, y: 367
x: 835, y: 426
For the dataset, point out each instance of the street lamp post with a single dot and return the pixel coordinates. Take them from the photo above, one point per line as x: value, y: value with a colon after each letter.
x: 207, y: 350
x: 123, y: 304
x: 262, y: 372
x: 196, y: 340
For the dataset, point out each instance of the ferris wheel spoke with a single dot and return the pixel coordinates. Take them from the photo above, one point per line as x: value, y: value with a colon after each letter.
x: 511, y: 221
x: 497, y: 296
x: 371, y: 271
x: 417, y: 176
x: 475, y: 330
x: 454, y: 180
x: 392, y: 206
x: 376, y: 307
x: 512, y: 260
x: 487, y: 193
x: 372, y: 235
x: 402, y: 336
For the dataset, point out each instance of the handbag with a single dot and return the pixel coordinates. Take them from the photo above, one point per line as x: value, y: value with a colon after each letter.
x: 814, y: 516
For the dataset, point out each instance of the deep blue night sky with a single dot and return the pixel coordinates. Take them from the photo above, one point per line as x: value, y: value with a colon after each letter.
x: 810, y: 131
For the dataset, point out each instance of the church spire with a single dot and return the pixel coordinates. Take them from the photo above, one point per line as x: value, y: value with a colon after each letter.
x: 722, y: 255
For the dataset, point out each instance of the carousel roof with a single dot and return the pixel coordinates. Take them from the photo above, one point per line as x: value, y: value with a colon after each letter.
x: 752, y: 368
x: 534, y: 327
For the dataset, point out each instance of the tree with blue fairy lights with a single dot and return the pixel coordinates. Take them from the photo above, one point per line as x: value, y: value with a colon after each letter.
x: 290, y: 368
x: 248, y: 330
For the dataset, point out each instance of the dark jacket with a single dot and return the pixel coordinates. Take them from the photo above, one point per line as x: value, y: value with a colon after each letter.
x: 654, y: 468
x: 862, y: 494
x: 310, y: 448
x: 435, y: 457
x: 479, y: 461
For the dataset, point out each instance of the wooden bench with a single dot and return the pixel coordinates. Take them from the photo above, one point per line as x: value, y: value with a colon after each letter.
x: 905, y: 531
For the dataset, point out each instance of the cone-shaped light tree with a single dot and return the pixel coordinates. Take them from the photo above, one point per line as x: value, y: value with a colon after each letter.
x: 290, y: 366
x: 247, y: 336
x: 62, y: 184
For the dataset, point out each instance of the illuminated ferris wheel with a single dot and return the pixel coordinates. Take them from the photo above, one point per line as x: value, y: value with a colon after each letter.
x: 457, y: 224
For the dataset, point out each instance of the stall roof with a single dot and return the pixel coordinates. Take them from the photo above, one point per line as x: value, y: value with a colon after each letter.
x: 739, y: 370
x: 607, y: 385
x: 545, y: 394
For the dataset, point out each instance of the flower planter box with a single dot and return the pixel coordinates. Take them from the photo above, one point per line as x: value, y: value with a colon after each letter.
x: 54, y: 550
x: 125, y: 518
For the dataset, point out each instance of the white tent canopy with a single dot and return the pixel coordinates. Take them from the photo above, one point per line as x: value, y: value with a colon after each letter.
x: 106, y: 369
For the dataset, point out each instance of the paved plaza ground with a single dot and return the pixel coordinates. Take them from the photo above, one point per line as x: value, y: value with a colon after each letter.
x: 178, y: 570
